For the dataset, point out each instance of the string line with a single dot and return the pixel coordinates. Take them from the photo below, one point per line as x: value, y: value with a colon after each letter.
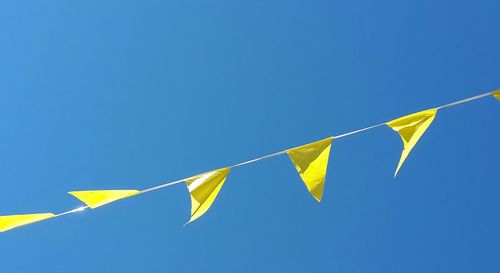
x: 168, y: 184
x: 464, y: 100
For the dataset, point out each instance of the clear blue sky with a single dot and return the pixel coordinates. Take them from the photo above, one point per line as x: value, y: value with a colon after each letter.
x: 130, y: 94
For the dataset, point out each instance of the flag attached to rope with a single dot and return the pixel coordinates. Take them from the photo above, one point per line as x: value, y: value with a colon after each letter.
x: 410, y: 128
x: 9, y: 222
x: 203, y: 189
x: 311, y: 162
x: 496, y: 94
x: 95, y: 199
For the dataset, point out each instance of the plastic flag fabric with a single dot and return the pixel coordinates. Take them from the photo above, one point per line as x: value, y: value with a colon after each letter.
x: 410, y: 128
x: 311, y: 161
x: 12, y: 221
x: 203, y: 189
x: 95, y: 199
x: 496, y: 94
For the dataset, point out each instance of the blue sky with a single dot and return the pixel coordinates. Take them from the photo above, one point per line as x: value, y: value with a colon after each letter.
x: 130, y: 94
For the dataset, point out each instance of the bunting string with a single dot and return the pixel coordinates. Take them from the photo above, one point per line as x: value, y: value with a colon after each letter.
x: 467, y: 100
x: 310, y: 160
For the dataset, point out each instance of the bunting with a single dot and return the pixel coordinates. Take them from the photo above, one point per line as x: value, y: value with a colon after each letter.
x: 496, y: 94
x: 9, y: 222
x: 95, y: 199
x: 311, y: 162
x: 410, y: 128
x: 203, y: 189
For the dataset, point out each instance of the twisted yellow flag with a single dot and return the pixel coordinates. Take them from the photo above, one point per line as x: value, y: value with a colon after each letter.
x: 95, y: 199
x: 496, y: 94
x: 410, y: 128
x: 311, y: 161
x: 9, y: 222
x: 203, y: 189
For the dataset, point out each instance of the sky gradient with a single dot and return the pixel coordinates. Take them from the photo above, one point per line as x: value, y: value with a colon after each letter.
x: 131, y: 94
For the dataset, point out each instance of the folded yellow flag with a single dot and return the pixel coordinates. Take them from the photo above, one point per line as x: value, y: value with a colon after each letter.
x: 95, y: 199
x: 311, y: 161
x: 496, y: 94
x: 203, y: 189
x: 12, y: 221
x: 410, y: 128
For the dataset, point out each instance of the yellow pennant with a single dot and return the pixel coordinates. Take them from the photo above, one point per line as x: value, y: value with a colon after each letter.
x: 95, y: 199
x: 311, y: 161
x: 203, y: 189
x: 496, y: 94
x: 12, y: 221
x: 410, y: 128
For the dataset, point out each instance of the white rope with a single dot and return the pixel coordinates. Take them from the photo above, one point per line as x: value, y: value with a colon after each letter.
x: 72, y: 211
x: 258, y: 159
x: 164, y: 185
x: 168, y: 184
x: 359, y: 131
x: 464, y: 100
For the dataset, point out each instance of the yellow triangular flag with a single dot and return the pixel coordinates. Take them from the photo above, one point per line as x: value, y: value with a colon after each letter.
x: 12, y: 221
x: 311, y: 161
x: 496, y: 94
x: 203, y: 189
x: 410, y: 128
x: 95, y: 199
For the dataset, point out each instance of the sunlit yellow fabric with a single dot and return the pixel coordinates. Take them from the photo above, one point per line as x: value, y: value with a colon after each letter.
x: 203, y: 189
x: 12, y: 221
x: 95, y: 199
x: 410, y: 128
x: 496, y: 94
x: 311, y: 161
